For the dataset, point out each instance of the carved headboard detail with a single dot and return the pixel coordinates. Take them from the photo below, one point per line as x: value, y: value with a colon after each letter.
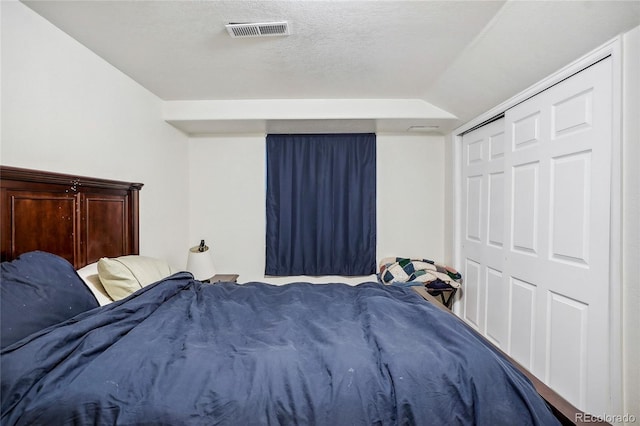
x: 79, y: 218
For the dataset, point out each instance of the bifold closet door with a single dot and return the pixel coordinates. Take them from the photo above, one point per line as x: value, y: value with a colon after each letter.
x: 536, y: 234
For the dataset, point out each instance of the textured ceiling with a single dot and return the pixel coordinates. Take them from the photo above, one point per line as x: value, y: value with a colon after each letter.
x: 461, y: 56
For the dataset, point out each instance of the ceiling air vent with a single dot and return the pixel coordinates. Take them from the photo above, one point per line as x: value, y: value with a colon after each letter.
x: 265, y: 29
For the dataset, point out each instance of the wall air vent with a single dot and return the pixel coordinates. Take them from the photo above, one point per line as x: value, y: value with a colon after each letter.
x: 265, y: 29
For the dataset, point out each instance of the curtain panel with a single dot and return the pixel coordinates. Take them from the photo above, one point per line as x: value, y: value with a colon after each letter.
x: 321, y: 205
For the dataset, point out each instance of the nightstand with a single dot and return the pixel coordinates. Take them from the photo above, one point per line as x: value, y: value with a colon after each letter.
x: 232, y: 278
x: 445, y: 295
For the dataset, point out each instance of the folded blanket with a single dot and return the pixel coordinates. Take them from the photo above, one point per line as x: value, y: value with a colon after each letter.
x: 418, y: 272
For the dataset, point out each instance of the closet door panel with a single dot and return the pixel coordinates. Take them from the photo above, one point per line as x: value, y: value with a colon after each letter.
x: 560, y: 244
x: 495, y: 222
x: 473, y: 292
x: 569, y: 208
x: 484, y: 290
x: 568, y: 351
x: 496, y: 303
x: 522, y: 321
x: 525, y: 208
x: 536, y: 233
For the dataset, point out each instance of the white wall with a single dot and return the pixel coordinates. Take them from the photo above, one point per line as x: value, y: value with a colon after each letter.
x: 227, y: 201
x: 449, y: 203
x: 411, y: 196
x: 631, y: 222
x: 66, y: 110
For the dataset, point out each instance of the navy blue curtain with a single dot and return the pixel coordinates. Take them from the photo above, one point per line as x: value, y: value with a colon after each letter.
x: 321, y: 204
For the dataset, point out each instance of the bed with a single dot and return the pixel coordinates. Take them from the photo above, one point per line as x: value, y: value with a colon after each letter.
x: 179, y: 351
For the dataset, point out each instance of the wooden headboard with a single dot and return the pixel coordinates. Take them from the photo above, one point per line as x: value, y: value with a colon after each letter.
x: 79, y: 218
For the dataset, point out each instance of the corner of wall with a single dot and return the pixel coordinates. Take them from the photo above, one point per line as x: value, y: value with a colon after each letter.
x: 449, y: 198
x: 630, y: 223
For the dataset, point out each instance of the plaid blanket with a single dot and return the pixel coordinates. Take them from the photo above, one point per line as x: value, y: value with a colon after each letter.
x: 426, y: 272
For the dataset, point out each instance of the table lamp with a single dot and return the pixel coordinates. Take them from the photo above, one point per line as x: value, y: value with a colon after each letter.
x: 200, y: 262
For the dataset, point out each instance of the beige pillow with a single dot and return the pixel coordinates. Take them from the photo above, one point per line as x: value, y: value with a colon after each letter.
x: 125, y: 275
x: 89, y: 275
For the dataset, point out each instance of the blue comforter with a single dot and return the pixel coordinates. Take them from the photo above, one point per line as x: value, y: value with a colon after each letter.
x: 185, y: 353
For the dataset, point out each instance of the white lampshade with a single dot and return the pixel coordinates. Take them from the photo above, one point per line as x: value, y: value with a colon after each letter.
x: 200, y: 262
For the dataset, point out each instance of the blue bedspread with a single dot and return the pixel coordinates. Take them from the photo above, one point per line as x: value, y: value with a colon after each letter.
x: 184, y: 353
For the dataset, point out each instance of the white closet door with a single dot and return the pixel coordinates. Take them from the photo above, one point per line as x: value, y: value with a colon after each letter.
x: 485, y: 297
x: 537, y: 272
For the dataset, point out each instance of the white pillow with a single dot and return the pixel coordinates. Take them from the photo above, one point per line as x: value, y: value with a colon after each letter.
x: 124, y: 275
x: 89, y: 275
